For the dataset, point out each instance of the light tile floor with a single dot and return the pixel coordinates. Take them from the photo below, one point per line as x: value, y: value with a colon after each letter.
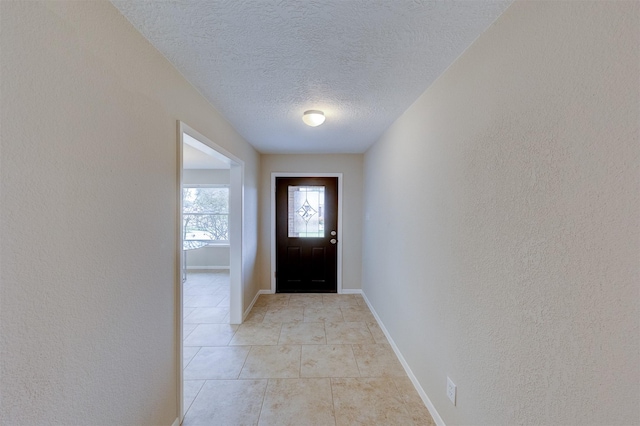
x: 298, y: 359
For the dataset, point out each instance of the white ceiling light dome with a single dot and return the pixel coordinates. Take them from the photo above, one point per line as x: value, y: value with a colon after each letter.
x: 313, y: 117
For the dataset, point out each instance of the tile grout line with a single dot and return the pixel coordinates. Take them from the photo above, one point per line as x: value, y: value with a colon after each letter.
x: 194, y: 398
x: 244, y: 362
x: 264, y: 396
x: 404, y: 403
x: 300, y: 363
x: 356, y: 361
x: 333, y: 403
x: 194, y: 355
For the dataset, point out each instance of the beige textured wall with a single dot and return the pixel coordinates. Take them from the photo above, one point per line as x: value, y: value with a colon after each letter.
x: 350, y: 165
x: 209, y: 257
x: 206, y: 176
x: 89, y: 185
x: 501, y: 232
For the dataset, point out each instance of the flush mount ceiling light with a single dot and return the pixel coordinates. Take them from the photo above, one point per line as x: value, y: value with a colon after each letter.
x: 313, y: 117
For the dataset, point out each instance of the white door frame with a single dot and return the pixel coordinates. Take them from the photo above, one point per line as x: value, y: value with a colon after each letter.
x: 274, y: 175
x: 236, y: 224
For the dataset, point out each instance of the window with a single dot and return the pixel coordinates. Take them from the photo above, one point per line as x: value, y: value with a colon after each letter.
x: 205, y: 214
x: 306, y: 211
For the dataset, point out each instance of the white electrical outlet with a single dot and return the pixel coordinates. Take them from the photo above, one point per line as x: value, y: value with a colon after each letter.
x: 451, y: 391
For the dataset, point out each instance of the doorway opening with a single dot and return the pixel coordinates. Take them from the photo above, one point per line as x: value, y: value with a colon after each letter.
x: 209, y: 245
x: 306, y: 234
x: 306, y: 189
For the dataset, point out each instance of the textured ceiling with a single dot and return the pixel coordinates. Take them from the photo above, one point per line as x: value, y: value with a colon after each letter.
x: 262, y: 63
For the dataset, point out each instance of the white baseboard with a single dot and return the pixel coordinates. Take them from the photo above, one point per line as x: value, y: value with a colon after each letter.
x: 351, y: 291
x: 414, y: 380
x: 176, y: 422
x: 207, y: 267
x: 246, y: 312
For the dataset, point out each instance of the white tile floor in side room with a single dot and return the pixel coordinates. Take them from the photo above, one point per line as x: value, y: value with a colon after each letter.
x: 298, y: 359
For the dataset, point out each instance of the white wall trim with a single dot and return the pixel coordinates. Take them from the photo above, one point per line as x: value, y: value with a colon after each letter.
x: 176, y: 422
x: 407, y: 369
x: 208, y: 267
x: 351, y: 291
x: 180, y: 261
x: 273, y: 221
x: 213, y: 246
x: 248, y: 310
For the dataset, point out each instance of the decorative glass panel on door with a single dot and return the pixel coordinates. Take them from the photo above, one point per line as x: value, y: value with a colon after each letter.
x: 306, y: 211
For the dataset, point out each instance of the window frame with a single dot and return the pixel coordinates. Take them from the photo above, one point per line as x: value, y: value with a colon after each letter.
x: 207, y: 243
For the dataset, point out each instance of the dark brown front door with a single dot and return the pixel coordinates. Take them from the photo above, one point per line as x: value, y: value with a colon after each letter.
x: 306, y: 234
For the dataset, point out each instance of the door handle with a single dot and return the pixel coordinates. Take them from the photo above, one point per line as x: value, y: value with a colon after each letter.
x: 333, y: 241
